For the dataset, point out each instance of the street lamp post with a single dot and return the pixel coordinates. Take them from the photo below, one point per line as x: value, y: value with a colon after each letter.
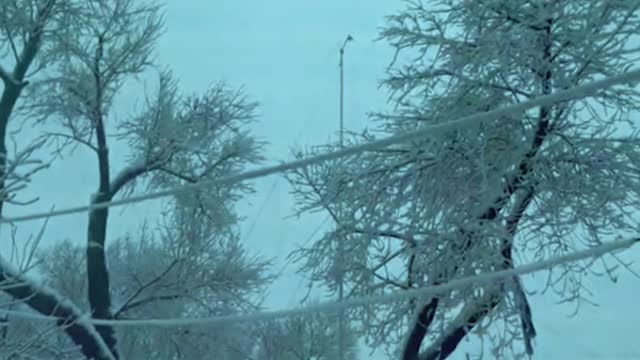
x: 349, y: 38
x: 341, y: 325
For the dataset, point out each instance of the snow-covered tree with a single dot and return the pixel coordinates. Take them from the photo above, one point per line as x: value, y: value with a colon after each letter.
x: 63, y: 64
x: 185, y: 269
x: 533, y: 185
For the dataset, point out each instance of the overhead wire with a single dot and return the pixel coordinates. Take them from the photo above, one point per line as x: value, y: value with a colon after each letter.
x: 577, y: 92
x: 428, y: 291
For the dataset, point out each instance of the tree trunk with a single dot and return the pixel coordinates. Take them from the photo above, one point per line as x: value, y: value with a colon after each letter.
x: 97, y: 274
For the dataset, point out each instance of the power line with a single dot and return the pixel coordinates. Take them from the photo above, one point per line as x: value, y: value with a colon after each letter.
x: 577, y: 92
x: 261, y: 209
x: 429, y: 291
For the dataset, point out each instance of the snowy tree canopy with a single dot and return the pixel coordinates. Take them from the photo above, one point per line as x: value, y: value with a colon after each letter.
x: 69, y: 62
x: 541, y: 183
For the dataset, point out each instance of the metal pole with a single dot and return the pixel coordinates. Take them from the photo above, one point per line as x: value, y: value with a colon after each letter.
x: 349, y: 38
x: 341, y: 325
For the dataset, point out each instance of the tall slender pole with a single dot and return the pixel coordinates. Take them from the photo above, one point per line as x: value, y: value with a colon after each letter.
x: 341, y: 324
x: 349, y: 38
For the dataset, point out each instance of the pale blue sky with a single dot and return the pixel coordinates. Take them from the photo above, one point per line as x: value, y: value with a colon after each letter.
x: 285, y: 53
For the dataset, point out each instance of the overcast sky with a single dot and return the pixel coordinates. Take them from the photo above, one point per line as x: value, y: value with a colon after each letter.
x: 285, y: 53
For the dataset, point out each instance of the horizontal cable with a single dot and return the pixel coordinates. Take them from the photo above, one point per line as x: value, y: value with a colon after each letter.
x: 430, y: 291
x: 433, y: 130
x: 577, y: 92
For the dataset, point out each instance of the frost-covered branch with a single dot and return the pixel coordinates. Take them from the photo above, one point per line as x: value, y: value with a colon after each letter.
x: 128, y: 175
x: 131, y: 301
x: 536, y: 178
x: 47, y: 302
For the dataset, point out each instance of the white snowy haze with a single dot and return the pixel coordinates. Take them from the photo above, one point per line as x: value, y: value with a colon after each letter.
x: 284, y: 54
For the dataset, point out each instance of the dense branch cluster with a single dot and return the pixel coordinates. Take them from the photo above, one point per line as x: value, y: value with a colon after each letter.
x: 540, y: 183
x: 63, y: 65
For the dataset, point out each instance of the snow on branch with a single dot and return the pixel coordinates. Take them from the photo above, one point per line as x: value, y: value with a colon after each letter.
x: 45, y: 300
